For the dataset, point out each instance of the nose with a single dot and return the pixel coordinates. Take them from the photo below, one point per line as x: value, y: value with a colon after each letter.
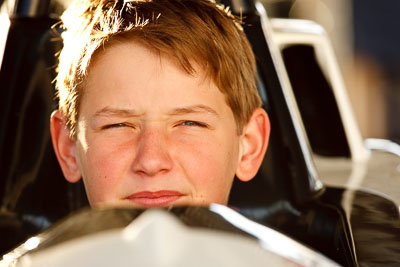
x: 152, y: 155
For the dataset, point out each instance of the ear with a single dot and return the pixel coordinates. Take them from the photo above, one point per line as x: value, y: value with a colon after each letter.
x: 253, y: 145
x: 64, y: 147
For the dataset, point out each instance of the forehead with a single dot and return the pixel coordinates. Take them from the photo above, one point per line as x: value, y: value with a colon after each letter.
x: 129, y: 73
x: 123, y: 59
x: 130, y: 44
x: 186, y: 56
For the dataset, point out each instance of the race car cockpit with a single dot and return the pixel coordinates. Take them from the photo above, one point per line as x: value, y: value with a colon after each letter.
x: 287, y: 194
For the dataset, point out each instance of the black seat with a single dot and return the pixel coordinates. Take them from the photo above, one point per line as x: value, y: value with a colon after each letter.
x: 33, y: 192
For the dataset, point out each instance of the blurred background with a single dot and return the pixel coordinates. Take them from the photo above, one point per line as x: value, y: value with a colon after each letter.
x: 365, y: 36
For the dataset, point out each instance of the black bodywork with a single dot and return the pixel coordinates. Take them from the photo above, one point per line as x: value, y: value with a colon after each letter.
x: 283, y: 196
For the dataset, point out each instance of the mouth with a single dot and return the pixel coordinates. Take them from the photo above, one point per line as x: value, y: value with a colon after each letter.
x: 155, y: 199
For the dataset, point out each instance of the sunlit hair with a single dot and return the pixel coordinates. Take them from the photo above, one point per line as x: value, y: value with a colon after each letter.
x: 191, y: 31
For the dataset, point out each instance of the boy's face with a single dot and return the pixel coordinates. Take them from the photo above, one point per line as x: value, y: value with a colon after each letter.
x: 149, y: 134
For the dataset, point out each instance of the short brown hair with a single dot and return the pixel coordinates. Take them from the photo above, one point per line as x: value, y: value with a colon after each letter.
x: 198, y: 31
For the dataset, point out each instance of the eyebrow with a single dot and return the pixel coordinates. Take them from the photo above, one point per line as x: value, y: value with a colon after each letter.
x: 129, y: 113
x: 107, y: 111
x: 193, y: 109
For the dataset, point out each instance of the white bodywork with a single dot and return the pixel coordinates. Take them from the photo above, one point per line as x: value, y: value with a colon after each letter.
x: 157, y: 238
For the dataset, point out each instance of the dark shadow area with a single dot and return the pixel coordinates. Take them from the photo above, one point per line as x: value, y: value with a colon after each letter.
x: 316, y: 102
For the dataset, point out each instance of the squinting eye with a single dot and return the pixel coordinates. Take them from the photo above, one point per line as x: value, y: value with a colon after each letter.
x: 115, y: 125
x: 193, y: 123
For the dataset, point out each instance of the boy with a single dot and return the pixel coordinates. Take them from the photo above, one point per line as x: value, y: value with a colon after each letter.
x: 158, y: 103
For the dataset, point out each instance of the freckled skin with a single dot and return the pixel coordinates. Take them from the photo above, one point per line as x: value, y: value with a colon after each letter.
x: 160, y: 144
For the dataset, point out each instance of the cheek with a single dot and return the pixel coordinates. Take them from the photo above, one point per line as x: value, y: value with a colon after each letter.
x: 200, y: 156
x: 210, y: 165
x: 103, y: 166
